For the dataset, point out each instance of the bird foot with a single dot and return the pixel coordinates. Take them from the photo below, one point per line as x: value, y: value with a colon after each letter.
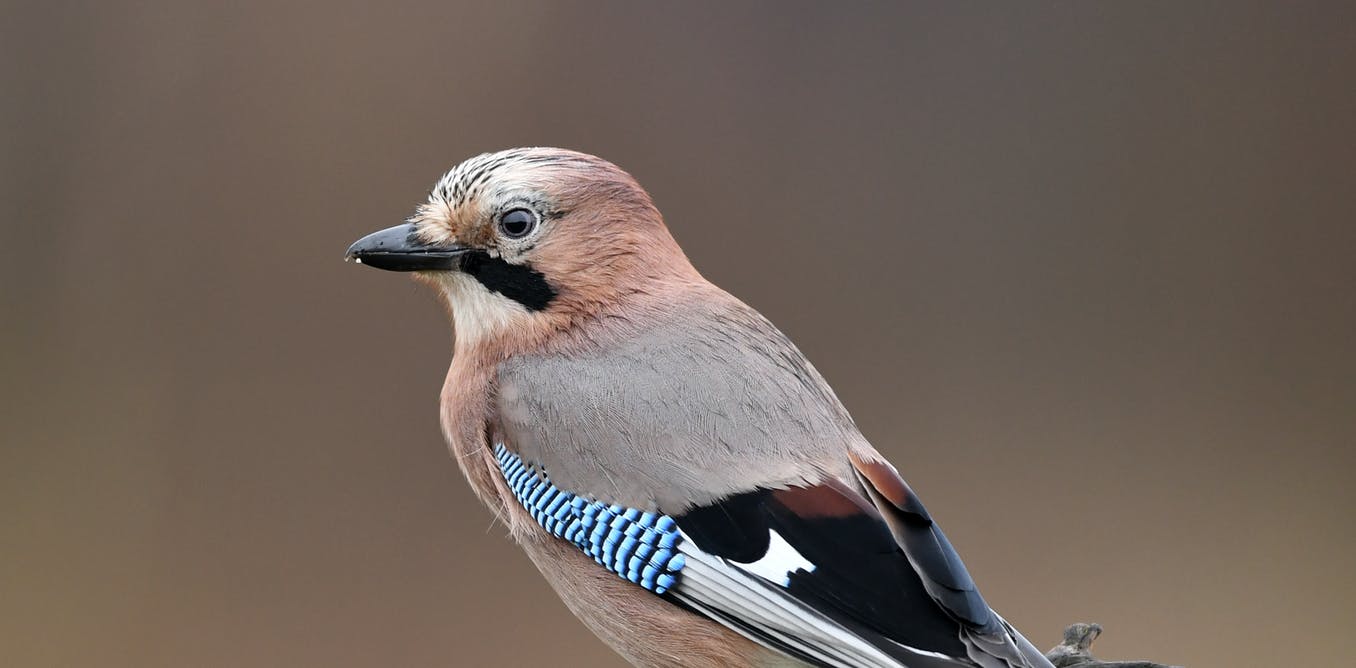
x: 1075, y: 651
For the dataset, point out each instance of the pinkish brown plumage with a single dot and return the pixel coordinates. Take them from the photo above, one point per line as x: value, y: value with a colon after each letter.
x: 591, y: 349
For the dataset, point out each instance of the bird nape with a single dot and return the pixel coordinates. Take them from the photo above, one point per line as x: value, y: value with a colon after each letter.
x: 625, y: 416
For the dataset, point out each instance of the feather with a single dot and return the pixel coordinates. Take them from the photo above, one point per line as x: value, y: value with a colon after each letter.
x: 814, y: 572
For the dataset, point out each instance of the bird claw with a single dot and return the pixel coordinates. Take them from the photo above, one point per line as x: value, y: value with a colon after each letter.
x: 1075, y: 651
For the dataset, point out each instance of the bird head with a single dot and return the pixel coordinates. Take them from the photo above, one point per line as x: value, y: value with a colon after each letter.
x: 532, y: 239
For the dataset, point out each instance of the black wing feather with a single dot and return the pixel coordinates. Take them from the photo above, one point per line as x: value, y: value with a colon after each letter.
x: 862, y: 579
x: 927, y: 547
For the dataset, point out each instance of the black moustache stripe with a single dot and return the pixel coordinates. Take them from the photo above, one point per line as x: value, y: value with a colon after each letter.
x: 521, y: 283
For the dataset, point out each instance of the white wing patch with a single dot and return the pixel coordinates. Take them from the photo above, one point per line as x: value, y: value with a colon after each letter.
x: 713, y: 585
x: 755, y: 595
x: 780, y: 561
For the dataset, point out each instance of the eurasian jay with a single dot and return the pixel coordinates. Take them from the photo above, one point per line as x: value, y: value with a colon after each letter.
x: 673, y: 465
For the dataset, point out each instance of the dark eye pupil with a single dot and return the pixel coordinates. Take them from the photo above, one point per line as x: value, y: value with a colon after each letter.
x: 517, y: 223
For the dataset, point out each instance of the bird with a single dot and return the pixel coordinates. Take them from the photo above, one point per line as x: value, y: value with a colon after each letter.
x: 677, y: 470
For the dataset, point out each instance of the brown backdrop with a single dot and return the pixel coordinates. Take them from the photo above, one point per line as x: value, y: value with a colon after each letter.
x: 1085, y: 272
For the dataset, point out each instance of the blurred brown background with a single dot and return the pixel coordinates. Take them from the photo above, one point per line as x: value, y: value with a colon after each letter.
x: 1083, y: 271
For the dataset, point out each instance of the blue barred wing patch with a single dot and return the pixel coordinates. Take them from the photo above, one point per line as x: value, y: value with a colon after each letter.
x: 641, y: 547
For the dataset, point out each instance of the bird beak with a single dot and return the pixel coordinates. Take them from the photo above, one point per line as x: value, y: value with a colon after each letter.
x: 400, y: 249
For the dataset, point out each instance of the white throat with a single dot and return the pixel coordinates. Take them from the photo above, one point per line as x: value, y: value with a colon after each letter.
x: 479, y: 313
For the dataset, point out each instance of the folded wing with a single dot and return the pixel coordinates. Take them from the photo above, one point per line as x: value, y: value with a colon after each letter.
x: 849, y: 574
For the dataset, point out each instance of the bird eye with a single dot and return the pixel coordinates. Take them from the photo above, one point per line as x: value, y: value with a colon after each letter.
x: 517, y: 223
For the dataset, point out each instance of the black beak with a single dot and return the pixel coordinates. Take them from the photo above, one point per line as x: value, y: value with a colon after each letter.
x: 399, y: 249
